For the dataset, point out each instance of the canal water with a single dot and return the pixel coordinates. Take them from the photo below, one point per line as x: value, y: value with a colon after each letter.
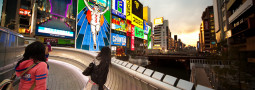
x: 174, y: 68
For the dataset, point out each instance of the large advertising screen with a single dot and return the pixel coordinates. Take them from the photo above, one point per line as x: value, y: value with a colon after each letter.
x: 118, y: 40
x: 56, y: 14
x: 118, y: 24
x: 93, y: 25
x: 119, y: 8
x: 139, y: 32
x: 54, y: 32
x: 137, y: 8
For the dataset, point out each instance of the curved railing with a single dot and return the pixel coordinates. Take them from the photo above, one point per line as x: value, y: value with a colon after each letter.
x: 11, y: 50
x: 124, y: 75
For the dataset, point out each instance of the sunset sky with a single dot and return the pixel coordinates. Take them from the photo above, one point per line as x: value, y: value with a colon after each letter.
x: 184, y: 16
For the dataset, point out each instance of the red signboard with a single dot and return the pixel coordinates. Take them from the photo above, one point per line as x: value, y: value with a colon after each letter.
x: 24, y: 12
x: 132, y: 37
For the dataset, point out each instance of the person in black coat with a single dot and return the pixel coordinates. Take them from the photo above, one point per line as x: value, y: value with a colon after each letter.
x: 99, y: 73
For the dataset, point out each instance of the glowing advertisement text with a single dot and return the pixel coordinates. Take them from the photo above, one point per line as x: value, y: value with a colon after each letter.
x: 137, y: 21
x: 139, y: 32
x: 118, y: 40
x: 132, y: 37
x: 129, y: 10
x: 54, y: 32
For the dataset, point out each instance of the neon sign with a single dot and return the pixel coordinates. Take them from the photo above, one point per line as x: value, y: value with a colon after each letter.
x: 54, y: 32
x: 24, y: 12
x: 118, y: 39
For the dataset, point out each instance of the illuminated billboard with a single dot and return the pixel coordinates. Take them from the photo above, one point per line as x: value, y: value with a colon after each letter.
x: 158, y: 21
x: 118, y: 24
x: 54, y: 32
x: 149, y: 39
x: 137, y: 8
x: 118, y: 40
x: 146, y: 13
x: 132, y: 37
x: 146, y: 27
x: 24, y: 12
x: 93, y: 28
x: 129, y: 9
x: 137, y: 21
x: 128, y: 28
x: 101, y: 3
x: 56, y: 14
x: 119, y: 8
x: 139, y: 32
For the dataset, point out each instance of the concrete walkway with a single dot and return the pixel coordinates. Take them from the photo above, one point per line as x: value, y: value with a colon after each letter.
x: 64, y: 76
x: 202, y: 78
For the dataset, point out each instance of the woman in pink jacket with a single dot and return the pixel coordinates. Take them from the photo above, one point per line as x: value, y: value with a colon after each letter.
x: 36, y: 76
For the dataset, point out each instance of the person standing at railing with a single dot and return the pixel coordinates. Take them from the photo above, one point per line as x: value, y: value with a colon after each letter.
x: 48, y: 50
x: 100, y: 71
x: 35, y: 67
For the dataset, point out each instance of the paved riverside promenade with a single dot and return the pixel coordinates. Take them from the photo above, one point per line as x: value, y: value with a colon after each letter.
x: 64, y: 76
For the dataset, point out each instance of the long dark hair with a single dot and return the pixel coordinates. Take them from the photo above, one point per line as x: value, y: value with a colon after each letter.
x: 104, y: 56
x: 35, y: 51
x: 100, y: 72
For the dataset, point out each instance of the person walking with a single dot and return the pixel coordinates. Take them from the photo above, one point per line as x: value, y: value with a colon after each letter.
x: 98, y: 76
x: 35, y: 67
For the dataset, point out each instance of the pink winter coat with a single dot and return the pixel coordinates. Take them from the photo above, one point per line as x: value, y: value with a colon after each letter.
x: 37, y: 74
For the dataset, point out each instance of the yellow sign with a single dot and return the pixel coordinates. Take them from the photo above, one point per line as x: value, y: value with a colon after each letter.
x: 136, y: 4
x: 158, y: 21
x: 129, y: 10
x: 137, y: 21
x: 145, y: 14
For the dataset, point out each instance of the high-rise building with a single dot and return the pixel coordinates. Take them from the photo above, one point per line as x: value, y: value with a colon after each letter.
x: 161, y: 36
x: 16, y: 15
x: 175, y: 42
x: 208, y: 30
x: 221, y: 24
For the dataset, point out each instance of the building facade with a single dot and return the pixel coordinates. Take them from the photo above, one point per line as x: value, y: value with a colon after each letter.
x: 208, y: 31
x: 241, y: 16
x: 161, y: 36
x: 222, y: 31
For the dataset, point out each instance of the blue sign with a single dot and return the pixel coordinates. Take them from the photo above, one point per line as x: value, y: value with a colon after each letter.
x: 54, y: 32
x: 146, y: 27
x: 119, y: 8
x: 118, y: 40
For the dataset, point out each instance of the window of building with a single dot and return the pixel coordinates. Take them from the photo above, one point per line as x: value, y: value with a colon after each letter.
x: 212, y: 27
x: 212, y: 31
x: 211, y: 15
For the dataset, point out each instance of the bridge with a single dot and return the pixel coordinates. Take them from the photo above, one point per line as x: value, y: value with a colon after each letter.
x: 66, y: 65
